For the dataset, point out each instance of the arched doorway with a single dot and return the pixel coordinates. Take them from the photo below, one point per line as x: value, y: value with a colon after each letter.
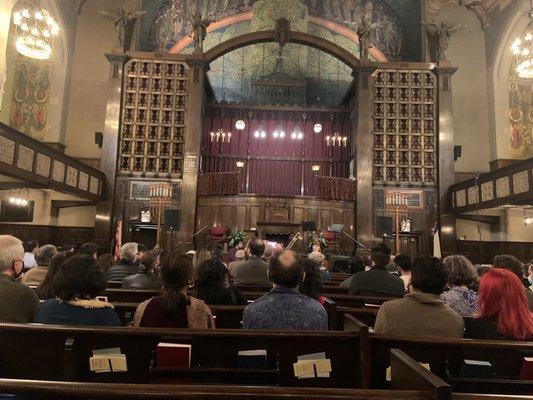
x: 303, y: 38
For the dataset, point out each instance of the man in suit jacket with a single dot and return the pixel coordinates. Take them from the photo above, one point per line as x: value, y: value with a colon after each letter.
x: 377, y: 281
x: 253, y: 271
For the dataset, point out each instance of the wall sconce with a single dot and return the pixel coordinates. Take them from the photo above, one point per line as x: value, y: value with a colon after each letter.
x: 260, y: 132
x: 336, y: 140
x: 279, y: 132
x: 240, y: 125
x: 221, y: 136
x: 528, y: 216
x: 315, y: 168
x: 240, y: 164
x: 317, y: 128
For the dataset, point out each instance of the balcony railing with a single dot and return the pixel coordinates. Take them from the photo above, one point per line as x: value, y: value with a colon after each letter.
x: 31, y: 161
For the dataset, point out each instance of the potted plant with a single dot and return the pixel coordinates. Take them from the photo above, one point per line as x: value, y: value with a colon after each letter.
x: 234, y: 238
x: 312, y: 238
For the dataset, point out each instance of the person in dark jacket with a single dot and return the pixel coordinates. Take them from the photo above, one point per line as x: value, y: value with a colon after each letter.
x: 44, y: 290
x: 213, y: 285
x: 76, y: 290
x: 127, y: 265
x: 18, y: 303
x: 146, y: 278
x: 377, y: 281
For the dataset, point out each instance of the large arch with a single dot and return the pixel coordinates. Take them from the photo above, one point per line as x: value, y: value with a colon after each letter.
x: 247, y: 16
x: 296, y: 37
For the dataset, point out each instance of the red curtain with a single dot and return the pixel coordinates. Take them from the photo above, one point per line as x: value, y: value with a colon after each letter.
x: 276, y: 166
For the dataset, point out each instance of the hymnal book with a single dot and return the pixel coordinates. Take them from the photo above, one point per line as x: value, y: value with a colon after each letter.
x: 173, y: 355
x: 108, y: 360
x: 314, y: 365
x: 476, y: 369
x: 526, y: 372
x: 252, y: 359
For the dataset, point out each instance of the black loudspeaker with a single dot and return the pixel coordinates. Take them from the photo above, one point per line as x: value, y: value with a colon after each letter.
x: 383, y: 226
x: 172, y: 220
x: 309, y: 226
x: 457, y: 152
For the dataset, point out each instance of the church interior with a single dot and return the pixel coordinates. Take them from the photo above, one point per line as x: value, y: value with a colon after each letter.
x: 386, y: 136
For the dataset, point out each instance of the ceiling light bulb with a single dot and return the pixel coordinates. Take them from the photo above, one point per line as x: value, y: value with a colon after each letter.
x: 317, y: 128
x: 275, y: 134
x: 263, y: 134
x: 25, y: 13
x: 39, y: 15
x: 282, y: 134
x: 300, y: 136
x: 240, y: 125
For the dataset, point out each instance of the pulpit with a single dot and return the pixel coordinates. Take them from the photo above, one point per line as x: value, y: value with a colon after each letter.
x: 278, y: 226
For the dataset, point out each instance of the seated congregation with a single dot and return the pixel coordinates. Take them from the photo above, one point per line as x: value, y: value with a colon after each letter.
x: 436, y: 311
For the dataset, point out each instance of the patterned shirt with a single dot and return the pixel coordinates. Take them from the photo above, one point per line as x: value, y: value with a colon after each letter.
x: 461, y: 299
x: 284, y: 308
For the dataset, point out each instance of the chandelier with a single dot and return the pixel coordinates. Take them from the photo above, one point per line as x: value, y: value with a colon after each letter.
x: 36, y: 29
x: 522, y: 49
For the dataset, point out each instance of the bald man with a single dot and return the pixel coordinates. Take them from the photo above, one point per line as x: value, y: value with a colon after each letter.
x: 284, y: 307
x: 18, y: 303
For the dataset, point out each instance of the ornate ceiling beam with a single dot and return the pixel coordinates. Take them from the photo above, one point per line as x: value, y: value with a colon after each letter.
x: 478, y: 7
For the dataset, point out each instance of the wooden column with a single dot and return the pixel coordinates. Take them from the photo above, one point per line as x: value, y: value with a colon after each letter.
x: 363, y: 153
x: 193, y: 138
x: 104, y: 224
x: 446, y: 171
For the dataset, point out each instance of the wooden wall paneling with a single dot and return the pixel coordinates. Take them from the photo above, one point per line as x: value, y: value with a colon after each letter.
x: 256, y: 214
x: 227, y: 216
x: 298, y: 214
x: 325, y: 218
x: 240, y: 217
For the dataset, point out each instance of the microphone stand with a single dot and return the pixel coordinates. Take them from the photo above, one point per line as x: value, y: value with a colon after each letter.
x: 192, y: 237
x: 357, y: 242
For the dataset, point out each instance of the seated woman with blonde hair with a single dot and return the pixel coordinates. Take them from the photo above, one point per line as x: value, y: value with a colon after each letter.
x: 174, y: 308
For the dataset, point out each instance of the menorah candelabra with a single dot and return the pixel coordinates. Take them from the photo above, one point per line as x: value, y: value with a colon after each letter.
x: 160, y: 199
x: 396, y: 204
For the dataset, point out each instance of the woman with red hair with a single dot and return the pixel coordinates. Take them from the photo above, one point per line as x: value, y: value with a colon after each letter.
x: 503, y: 309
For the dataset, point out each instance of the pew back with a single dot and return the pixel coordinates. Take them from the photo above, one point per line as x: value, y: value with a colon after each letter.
x: 62, y: 353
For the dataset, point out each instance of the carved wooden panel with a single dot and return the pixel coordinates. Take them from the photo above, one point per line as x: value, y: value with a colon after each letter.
x: 153, y: 118
x: 404, y: 126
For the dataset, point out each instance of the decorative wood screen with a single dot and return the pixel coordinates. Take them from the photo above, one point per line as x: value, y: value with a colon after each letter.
x: 153, y: 118
x: 404, y: 118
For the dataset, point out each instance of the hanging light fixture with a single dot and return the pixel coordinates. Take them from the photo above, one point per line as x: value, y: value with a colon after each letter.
x: 260, y: 132
x: 279, y: 132
x: 522, y: 49
x: 36, y: 30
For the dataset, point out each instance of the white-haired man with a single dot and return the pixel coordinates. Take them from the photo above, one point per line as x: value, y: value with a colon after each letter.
x: 127, y: 265
x: 18, y: 303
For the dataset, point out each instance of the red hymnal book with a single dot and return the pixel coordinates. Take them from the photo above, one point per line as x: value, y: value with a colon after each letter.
x: 526, y: 373
x: 173, y: 355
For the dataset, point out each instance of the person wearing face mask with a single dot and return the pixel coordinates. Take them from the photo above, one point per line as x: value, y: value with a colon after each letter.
x: 18, y: 303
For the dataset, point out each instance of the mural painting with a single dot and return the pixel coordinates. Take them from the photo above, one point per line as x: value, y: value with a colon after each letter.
x: 30, y: 98
x: 520, y: 113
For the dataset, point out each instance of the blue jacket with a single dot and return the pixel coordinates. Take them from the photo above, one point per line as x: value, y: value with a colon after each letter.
x: 56, y: 312
x: 284, y: 308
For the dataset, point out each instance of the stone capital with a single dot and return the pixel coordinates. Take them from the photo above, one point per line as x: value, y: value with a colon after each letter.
x: 442, y: 70
x: 117, y: 57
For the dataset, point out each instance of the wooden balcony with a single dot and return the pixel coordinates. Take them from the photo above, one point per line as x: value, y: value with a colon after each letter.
x: 511, y: 185
x: 31, y: 161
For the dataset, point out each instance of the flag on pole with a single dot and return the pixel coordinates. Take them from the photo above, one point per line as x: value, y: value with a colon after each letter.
x: 436, y: 244
x: 118, y: 239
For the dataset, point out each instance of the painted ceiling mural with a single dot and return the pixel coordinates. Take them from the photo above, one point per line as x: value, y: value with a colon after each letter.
x: 327, y: 79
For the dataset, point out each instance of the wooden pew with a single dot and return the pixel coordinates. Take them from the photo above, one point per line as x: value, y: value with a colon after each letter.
x: 226, y: 317
x: 409, y: 382
x: 446, y: 355
x: 342, y: 300
x: 62, y: 353
x: 48, y: 390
